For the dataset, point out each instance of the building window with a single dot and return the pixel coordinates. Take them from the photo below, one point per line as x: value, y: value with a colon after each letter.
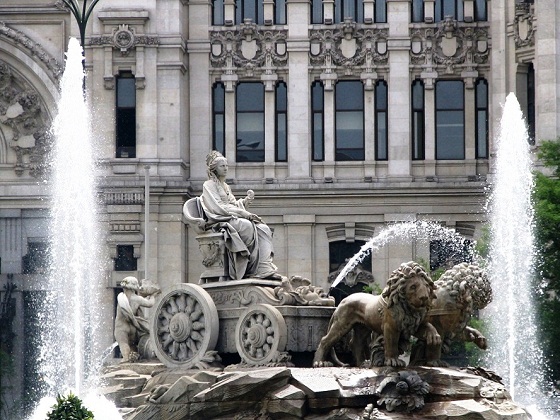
x: 349, y: 121
x: 531, y: 103
x: 317, y: 121
x: 281, y: 122
x: 480, y: 11
x: 453, y: 8
x: 444, y: 254
x: 218, y: 118
x: 450, y: 120
x: 280, y: 12
x: 125, y: 260
x: 37, y: 259
x: 217, y: 12
x: 317, y: 11
x: 381, y: 11
x: 381, y: 121
x: 340, y: 253
x: 353, y: 9
x: 481, y: 100
x: 249, y: 9
x: 418, y: 10
x: 418, y: 120
x: 126, y: 115
x: 250, y: 122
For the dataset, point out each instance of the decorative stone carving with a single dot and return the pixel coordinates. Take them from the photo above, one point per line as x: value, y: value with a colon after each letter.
x: 124, y: 38
x: 34, y: 48
x: 452, y: 46
x: 523, y: 26
x: 185, y: 327
x: 23, y: 117
x: 299, y: 291
x: 348, y: 47
x: 402, y: 391
x: 249, y: 48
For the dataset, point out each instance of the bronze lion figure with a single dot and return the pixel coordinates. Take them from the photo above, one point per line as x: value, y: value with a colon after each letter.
x: 397, y: 314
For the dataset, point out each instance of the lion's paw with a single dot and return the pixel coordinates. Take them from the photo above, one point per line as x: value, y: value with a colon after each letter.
x: 394, y: 362
x: 322, y: 363
x: 437, y: 363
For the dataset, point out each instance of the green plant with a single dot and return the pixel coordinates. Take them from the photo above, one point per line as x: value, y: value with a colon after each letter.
x: 69, y: 408
x: 6, y: 370
x: 372, y: 288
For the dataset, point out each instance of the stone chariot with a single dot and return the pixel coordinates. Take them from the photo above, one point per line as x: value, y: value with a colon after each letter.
x: 264, y: 321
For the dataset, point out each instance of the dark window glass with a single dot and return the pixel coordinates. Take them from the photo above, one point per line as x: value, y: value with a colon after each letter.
x: 381, y: 121
x: 250, y: 122
x: 317, y: 121
x: 218, y: 117
x: 418, y: 120
x: 417, y: 10
x: 249, y: 9
x: 531, y: 103
x: 218, y: 12
x: 481, y: 100
x: 126, y: 116
x: 480, y: 12
x: 280, y: 12
x: 281, y: 122
x: 37, y: 259
x: 317, y: 11
x: 445, y: 254
x: 381, y: 11
x: 453, y: 8
x: 353, y: 9
x: 349, y: 120
x: 125, y: 260
x: 450, y: 116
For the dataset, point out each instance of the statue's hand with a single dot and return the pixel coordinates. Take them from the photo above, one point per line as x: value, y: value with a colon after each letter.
x: 254, y: 218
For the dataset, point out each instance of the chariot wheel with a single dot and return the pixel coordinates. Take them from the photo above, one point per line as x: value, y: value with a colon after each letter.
x: 261, y: 334
x: 185, y: 325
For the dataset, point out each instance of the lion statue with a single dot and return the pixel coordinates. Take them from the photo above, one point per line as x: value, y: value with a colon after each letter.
x: 398, y: 313
x: 461, y: 290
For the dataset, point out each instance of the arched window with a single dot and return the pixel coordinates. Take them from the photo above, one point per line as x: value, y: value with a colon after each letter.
x: 126, y: 115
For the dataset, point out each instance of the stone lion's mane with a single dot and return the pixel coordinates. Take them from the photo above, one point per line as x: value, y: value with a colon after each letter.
x: 394, y: 294
x: 465, y: 281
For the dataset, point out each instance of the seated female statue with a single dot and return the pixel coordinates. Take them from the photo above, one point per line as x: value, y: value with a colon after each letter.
x: 248, y: 239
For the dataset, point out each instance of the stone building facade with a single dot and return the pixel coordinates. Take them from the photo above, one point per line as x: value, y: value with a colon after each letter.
x: 342, y: 116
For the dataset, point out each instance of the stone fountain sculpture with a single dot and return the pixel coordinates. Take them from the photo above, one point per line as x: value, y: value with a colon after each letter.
x: 130, y: 324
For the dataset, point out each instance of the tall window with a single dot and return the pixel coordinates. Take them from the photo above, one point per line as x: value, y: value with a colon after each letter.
x: 217, y: 12
x: 280, y: 12
x: 317, y: 11
x: 218, y: 118
x: 450, y: 120
x: 417, y: 10
x: 381, y: 121
x: 481, y: 119
x: 281, y: 122
x: 250, y: 122
x: 381, y: 11
x: 418, y: 120
x: 453, y: 8
x: 249, y: 9
x: 349, y: 120
x: 480, y: 11
x: 126, y: 115
x: 531, y: 121
x: 317, y: 121
x: 348, y: 9
x: 125, y: 261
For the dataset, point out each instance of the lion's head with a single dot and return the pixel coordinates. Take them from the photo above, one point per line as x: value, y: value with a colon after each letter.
x: 409, y: 284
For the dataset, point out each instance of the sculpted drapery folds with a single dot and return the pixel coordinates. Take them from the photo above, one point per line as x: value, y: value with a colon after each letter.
x: 248, y: 240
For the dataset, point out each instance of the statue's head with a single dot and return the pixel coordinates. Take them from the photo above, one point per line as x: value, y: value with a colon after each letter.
x: 130, y: 283
x: 212, y: 161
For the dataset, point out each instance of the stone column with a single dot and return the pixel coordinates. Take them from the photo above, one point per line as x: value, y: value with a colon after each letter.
x: 429, y: 131
x: 398, y: 13
x: 269, y: 132
x: 200, y: 84
x: 11, y: 241
x: 299, y: 231
x: 299, y: 153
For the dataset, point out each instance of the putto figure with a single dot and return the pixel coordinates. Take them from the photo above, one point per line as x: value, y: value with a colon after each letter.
x: 248, y: 239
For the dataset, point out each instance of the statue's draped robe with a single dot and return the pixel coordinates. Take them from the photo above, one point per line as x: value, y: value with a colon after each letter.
x: 248, y: 244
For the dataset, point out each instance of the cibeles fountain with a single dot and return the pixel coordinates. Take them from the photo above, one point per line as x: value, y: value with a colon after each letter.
x: 247, y: 342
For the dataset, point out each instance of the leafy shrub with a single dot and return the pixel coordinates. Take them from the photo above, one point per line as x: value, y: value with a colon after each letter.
x: 69, y: 408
